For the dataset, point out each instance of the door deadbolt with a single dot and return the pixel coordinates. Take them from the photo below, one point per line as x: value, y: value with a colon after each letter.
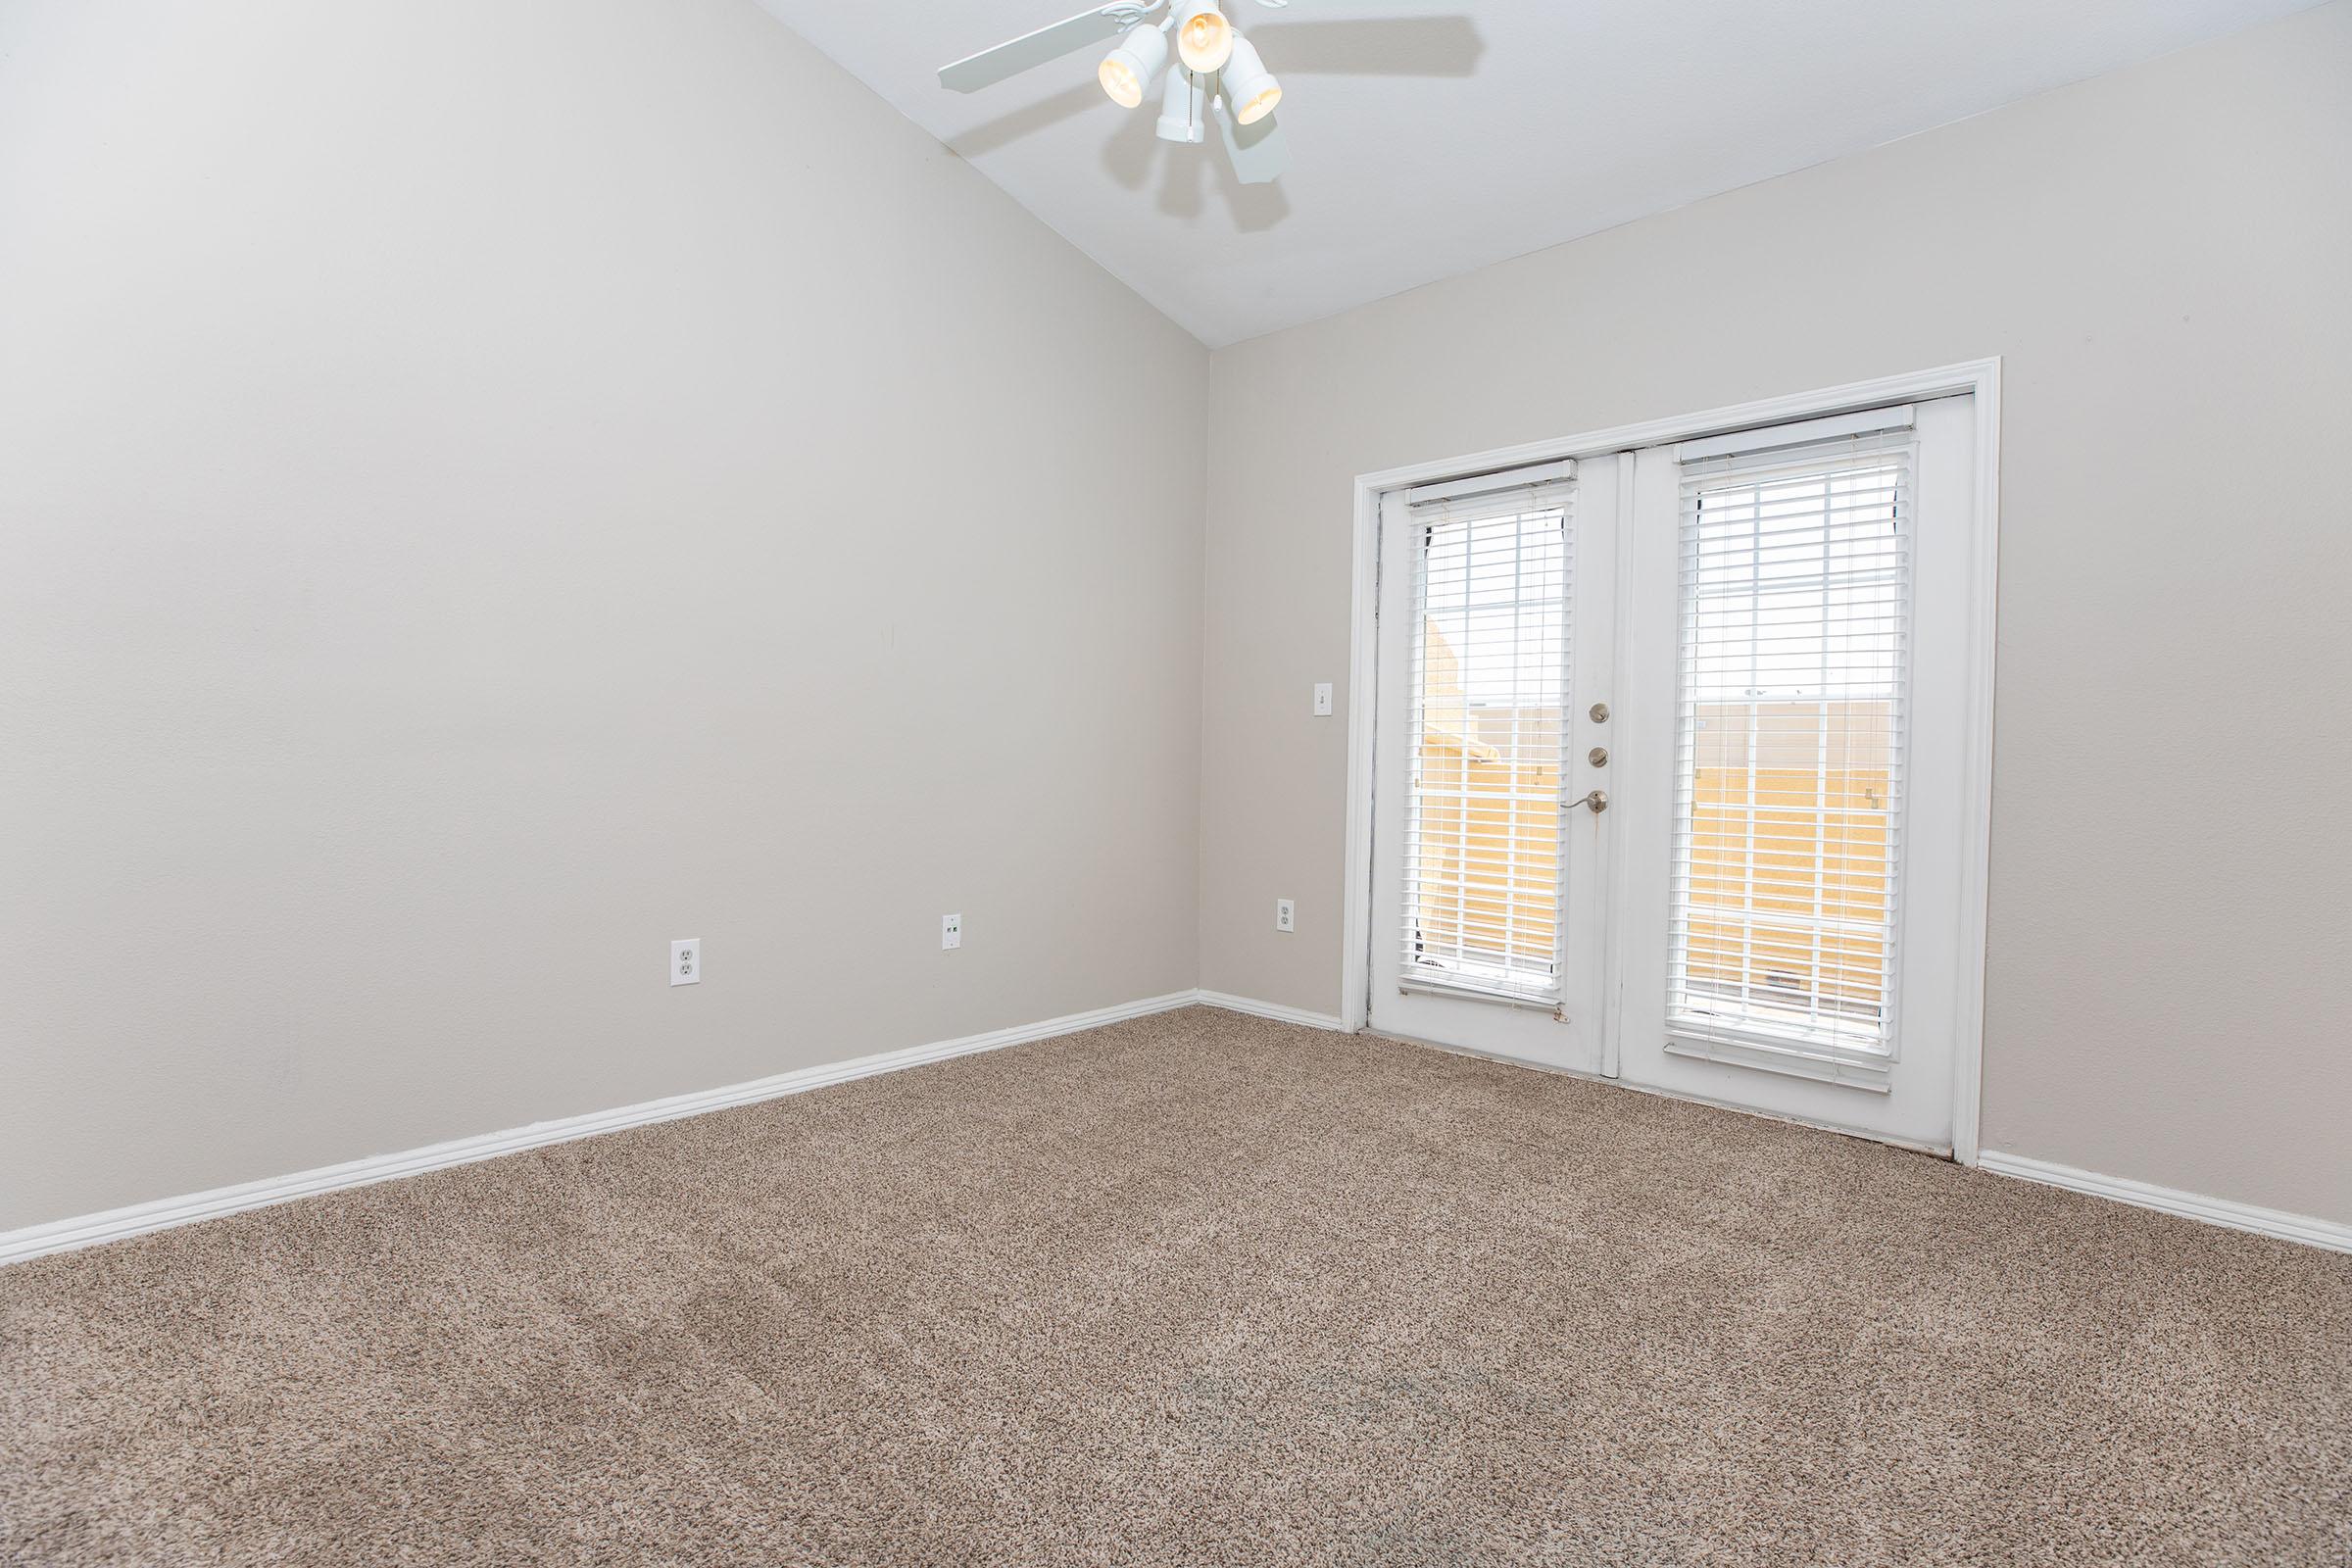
x: 1601, y: 713
x: 1597, y: 803
x: 1598, y: 756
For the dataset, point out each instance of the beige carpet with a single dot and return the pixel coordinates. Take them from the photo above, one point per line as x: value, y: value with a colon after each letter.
x: 1196, y: 1289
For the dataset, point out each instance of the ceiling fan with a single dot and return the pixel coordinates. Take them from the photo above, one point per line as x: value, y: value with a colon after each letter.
x: 1216, y: 72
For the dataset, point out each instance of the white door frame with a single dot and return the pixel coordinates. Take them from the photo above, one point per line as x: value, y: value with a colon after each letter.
x: 1981, y: 379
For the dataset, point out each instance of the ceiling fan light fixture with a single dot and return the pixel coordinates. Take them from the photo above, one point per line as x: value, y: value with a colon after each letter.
x: 1249, y: 88
x: 1182, y: 48
x: 1132, y: 69
x: 1182, y: 110
x: 1203, y: 37
x: 1118, y: 79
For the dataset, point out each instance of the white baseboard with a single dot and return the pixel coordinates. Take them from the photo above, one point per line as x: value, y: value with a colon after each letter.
x: 64, y: 1235
x: 1270, y: 1009
x: 61, y: 1236
x: 2304, y: 1228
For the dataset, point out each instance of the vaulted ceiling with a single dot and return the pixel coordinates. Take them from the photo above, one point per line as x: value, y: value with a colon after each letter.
x: 1432, y: 137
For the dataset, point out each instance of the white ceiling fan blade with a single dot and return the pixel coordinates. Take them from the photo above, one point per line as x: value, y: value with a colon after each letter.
x: 1260, y: 155
x: 991, y: 65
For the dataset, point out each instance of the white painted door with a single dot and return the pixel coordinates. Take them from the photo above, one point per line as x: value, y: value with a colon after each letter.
x: 1760, y: 647
x: 1795, y: 885
x: 1497, y: 637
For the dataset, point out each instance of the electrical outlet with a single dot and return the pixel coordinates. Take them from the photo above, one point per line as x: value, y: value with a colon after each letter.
x: 951, y: 931
x: 1323, y: 699
x: 1285, y: 916
x: 686, y: 961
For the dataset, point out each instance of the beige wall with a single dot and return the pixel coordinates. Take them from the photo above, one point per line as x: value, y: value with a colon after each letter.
x: 488, y: 489
x: 2161, y: 258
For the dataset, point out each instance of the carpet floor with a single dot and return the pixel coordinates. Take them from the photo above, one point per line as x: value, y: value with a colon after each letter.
x: 1192, y: 1289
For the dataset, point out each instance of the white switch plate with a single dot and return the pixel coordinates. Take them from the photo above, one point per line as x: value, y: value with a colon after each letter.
x: 951, y: 931
x: 686, y: 961
x: 1323, y: 699
x: 1285, y: 916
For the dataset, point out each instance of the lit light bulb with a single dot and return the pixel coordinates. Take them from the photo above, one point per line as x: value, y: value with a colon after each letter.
x: 1129, y: 70
x: 1249, y: 88
x: 1203, y: 37
x: 1118, y: 81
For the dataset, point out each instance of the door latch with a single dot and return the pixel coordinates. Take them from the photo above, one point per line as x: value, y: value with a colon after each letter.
x: 1597, y: 803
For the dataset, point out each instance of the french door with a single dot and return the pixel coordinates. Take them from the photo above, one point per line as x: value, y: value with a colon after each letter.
x: 1671, y: 772
x: 1495, y: 609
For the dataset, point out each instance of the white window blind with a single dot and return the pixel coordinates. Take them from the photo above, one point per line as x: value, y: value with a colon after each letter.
x: 1789, y: 802
x: 1488, y: 686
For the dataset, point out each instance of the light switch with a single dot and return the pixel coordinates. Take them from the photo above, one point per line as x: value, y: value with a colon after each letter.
x: 1323, y: 699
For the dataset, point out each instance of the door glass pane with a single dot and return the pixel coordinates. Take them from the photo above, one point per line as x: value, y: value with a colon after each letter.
x: 1488, y: 683
x: 1795, y: 584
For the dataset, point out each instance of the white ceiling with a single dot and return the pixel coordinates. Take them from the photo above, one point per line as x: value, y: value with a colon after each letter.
x: 1432, y: 137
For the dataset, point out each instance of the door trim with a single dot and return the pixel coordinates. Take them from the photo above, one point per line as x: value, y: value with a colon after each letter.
x: 1981, y: 379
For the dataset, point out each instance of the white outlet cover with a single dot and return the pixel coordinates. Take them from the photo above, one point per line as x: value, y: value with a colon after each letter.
x: 686, y: 961
x: 951, y: 931
x: 1285, y: 916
